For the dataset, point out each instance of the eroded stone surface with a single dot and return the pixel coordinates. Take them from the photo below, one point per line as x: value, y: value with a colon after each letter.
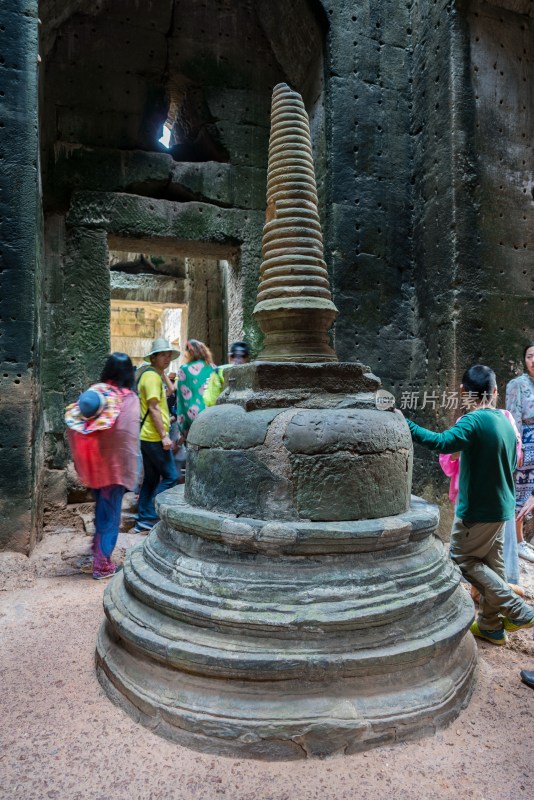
x: 268, y: 614
x: 237, y: 482
x: 337, y: 486
x: 238, y: 642
x: 230, y: 427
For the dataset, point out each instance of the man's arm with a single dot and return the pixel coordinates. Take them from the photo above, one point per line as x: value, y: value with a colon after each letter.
x: 157, y: 419
x: 453, y: 440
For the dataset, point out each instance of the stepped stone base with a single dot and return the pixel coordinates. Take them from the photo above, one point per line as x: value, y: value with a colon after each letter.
x: 291, y: 639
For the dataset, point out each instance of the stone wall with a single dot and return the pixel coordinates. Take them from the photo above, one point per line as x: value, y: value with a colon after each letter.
x: 75, y: 309
x: 369, y: 151
x: 430, y: 196
x: 501, y: 44
x: 472, y: 87
x: 205, y: 293
x: 19, y: 276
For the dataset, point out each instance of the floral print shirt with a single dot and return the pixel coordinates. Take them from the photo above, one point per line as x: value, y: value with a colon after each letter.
x: 192, y: 380
x: 520, y: 400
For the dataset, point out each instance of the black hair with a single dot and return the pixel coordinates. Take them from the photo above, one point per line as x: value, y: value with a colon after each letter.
x: 119, y: 369
x: 529, y: 345
x: 242, y: 346
x: 479, y: 380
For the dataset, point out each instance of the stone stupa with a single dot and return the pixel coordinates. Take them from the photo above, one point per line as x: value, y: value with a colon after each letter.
x: 294, y: 600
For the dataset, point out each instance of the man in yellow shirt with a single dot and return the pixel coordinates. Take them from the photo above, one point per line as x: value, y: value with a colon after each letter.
x: 153, y: 387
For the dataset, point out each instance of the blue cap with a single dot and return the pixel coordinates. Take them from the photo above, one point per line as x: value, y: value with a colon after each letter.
x: 90, y: 404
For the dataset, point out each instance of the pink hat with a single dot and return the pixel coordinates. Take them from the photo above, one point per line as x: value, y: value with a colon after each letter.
x: 95, y: 410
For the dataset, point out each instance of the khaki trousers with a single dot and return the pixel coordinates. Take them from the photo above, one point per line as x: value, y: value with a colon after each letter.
x: 477, y: 548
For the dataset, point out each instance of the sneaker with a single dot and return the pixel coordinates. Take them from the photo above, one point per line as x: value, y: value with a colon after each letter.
x: 527, y: 677
x: 516, y: 625
x: 106, y: 572
x: 526, y: 551
x: 495, y: 637
x: 85, y: 564
x: 145, y: 527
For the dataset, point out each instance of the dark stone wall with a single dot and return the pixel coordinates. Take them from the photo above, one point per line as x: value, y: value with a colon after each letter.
x: 502, y: 73
x: 19, y: 215
x: 444, y: 229
x: 75, y: 308
x: 369, y: 163
x: 430, y: 196
x: 473, y: 85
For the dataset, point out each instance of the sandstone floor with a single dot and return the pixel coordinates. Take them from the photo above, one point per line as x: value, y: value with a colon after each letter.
x: 60, y: 737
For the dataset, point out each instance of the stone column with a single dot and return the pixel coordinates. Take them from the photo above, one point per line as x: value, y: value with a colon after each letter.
x: 19, y: 267
x: 205, y: 304
x: 75, y: 335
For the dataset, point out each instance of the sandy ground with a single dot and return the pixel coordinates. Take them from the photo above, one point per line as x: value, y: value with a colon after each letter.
x: 61, y: 738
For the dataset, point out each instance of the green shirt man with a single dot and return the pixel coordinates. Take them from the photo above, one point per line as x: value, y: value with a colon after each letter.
x: 487, y: 444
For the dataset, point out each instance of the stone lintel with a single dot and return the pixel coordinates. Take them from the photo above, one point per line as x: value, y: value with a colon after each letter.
x: 107, y: 169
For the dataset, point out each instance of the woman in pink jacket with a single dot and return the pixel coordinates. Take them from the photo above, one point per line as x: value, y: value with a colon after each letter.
x: 104, y: 439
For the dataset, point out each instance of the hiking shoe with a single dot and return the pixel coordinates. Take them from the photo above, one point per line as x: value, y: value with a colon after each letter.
x: 106, y: 572
x: 527, y: 677
x: 516, y: 625
x: 145, y: 527
x: 524, y: 550
x: 495, y: 637
x: 85, y: 565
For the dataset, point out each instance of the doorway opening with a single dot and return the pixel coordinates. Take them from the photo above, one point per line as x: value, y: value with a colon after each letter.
x: 135, y: 324
x: 165, y: 293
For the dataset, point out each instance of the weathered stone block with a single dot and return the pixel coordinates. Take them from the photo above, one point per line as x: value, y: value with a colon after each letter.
x: 55, y: 488
x: 313, y: 432
x: 341, y: 487
x: 247, y: 144
x: 217, y: 482
x: 230, y: 427
x: 225, y: 184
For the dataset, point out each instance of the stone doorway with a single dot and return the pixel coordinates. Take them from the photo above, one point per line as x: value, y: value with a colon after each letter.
x: 115, y: 250
x: 178, y: 298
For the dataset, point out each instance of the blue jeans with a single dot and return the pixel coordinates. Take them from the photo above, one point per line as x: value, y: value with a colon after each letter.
x: 160, y: 474
x: 107, y: 519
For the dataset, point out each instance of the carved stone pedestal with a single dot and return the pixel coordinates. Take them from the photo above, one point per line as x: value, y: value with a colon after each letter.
x: 293, y: 602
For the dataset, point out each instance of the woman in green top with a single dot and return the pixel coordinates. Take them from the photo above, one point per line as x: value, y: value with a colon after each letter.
x: 192, y: 377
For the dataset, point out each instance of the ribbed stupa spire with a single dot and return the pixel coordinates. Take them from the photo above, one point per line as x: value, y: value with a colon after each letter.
x: 294, y: 305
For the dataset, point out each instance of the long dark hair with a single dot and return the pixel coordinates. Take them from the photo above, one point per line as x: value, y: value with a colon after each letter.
x: 198, y: 351
x: 119, y: 369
